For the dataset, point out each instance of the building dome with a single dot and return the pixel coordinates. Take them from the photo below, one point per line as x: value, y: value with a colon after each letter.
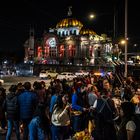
x: 69, y: 22
x: 84, y: 31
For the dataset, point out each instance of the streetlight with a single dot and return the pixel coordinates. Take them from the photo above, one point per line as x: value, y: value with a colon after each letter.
x: 91, y: 16
x: 123, y: 42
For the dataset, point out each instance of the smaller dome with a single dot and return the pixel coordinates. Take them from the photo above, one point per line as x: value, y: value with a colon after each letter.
x: 84, y: 31
x: 69, y: 22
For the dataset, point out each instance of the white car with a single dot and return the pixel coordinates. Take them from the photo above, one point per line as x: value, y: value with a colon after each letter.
x: 1, y: 81
x: 66, y: 75
x: 43, y: 74
x: 82, y: 73
x: 51, y: 74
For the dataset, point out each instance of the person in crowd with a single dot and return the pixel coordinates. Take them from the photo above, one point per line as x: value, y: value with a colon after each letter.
x: 117, y: 98
x: 91, y: 95
x: 65, y: 86
x: 2, y: 111
x: 27, y: 101
x: 128, y: 129
x: 60, y: 118
x: 129, y: 89
x: 40, y: 91
x: 39, y: 127
x: 136, y: 101
x: 12, y: 111
x: 129, y: 92
x: 104, y: 111
x: 57, y: 90
x: 78, y: 109
x: 92, y: 80
x: 107, y: 88
x: 20, y: 88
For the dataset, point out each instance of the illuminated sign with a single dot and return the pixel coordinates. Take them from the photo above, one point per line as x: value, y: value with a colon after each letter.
x: 51, y: 42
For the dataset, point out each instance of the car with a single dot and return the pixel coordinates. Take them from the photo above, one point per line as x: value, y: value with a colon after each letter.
x: 43, y: 74
x: 51, y: 74
x: 82, y: 73
x: 24, y: 72
x: 1, y: 81
x: 2, y: 73
x: 66, y: 75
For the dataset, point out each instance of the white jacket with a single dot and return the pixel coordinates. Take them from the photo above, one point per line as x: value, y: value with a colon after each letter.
x: 60, y: 117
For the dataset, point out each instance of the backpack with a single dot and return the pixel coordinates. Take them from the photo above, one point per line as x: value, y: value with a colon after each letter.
x: 104, y: 110
x: 104, y: 123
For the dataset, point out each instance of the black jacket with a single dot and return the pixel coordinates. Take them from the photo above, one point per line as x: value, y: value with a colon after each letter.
x: 11, y: 106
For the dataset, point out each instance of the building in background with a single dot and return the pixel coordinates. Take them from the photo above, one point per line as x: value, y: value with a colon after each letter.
x: 69, y: 43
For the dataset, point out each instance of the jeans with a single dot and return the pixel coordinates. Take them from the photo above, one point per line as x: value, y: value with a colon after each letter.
x: 59, y: 132
x: 26, y: 128
x: 10, y: 128
x: 77, y: 123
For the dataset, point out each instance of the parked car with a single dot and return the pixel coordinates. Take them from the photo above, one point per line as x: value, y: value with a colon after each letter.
x: 24, y: 72
x: 1, y: 81
x: 51, y: 74
x: 82, y: 73
x: 66, y: 75
x: 2, y: 73
x: 43, y: 74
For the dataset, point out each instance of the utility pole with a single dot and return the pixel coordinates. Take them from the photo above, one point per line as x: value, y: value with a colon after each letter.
x: 126, y: 39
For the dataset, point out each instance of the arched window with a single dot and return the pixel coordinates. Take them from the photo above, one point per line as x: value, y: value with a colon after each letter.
x: 59, y: 33
x: 66, y: 33
x: 70, y: 32
x: 63, y: 33
x: 74, y: 32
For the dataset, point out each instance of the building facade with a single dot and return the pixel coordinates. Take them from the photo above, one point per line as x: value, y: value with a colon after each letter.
x: 69, y: 43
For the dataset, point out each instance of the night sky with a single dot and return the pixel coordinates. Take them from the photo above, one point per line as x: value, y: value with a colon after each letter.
x: 16, y: 18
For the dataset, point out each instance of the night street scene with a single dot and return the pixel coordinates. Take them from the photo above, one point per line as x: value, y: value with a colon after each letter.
x: 69, y: 70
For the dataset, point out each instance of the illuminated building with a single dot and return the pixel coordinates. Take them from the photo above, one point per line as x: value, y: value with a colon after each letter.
x: 69, y: 43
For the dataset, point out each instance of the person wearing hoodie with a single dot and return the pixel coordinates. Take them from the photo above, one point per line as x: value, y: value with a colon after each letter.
x: 11, y: 106
x: 27, y: 101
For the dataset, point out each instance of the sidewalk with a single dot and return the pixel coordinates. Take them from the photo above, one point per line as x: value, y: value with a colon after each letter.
x: 13, y: 137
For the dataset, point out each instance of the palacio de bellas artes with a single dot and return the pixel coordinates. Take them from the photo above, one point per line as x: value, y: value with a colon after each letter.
x: 68, y: 43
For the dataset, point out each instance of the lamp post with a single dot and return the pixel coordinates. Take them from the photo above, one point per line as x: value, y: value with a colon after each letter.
x: 125, y: 71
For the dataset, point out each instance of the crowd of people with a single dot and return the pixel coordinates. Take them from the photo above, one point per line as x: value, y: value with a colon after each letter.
x: 61, y: 110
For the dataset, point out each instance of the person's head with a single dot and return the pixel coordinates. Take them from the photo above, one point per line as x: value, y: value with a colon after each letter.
x: 27, y: 85
x: 65, y: 99
x: 13, y: 88
x: 37, y: 85
x: 61, y: 100
x: 19, y: 84
x: 43, y: 84
x: 57, y: 89
x: 127, y: 108
x: 20, y: 88
x: 106, y: 84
